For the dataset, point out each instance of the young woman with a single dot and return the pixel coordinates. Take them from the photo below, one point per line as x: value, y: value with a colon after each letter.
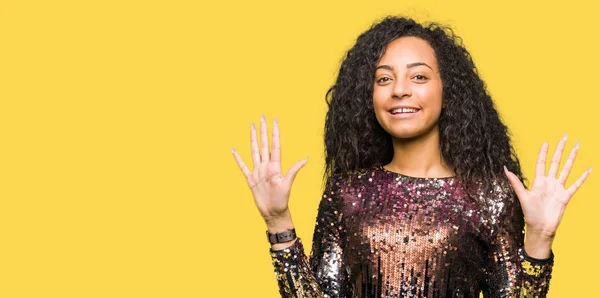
x: 424, y: 194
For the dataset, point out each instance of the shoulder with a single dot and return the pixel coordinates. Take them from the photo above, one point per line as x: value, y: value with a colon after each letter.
x: 348, y: 189
x: 499, y: 200
x: 354, y: 184
x: 499, y: 206
x: 491, y: 190
x: 357, y: 177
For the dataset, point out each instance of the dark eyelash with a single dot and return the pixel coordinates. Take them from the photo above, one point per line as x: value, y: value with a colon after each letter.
x: 422, y: 76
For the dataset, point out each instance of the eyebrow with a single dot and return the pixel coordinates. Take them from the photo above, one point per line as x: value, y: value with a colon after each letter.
x: 410, y: 65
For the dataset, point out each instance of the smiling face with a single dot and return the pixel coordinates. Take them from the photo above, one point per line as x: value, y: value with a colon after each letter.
x: 407, y: 89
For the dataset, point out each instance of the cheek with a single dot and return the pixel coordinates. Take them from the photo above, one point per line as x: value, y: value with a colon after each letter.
x: 378, y: 105
x: 378, y: 96
x: 432, y: 98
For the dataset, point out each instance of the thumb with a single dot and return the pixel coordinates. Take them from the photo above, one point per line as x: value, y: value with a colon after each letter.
x: 291, y: 174
x: 516, y: 184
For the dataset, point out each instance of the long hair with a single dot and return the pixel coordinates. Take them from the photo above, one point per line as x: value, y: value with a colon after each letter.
x: 473, y: 139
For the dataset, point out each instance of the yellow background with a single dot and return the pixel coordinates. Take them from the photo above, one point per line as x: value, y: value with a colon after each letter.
x: 117, y: 118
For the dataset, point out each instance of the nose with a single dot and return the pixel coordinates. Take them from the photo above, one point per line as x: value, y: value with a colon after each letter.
x: 401, y: 89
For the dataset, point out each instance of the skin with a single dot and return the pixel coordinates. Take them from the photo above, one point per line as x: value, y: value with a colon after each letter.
x: 408, y: 74
x: 545, y: 203
x: 270, y: 187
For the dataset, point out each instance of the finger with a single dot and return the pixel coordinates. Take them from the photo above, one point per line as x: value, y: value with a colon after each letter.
x: 254, y: 146
x: 240, y: 163
x: 291, y: 174
x: 275, y: 145
x: 264, y: 140
x: 577, y: 184
x: 557, y: 156
x: 564, y: 173
x: 516, y: 184
x: 540, y: 168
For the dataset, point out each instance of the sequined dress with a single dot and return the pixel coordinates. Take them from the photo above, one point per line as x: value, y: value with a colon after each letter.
x: 383, y: 234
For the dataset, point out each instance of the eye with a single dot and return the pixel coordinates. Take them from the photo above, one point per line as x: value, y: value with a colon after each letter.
x: 381, y: 80
x: 420, y: 77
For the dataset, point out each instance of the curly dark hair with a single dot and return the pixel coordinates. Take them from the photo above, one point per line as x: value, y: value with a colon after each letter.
x: 473, y: 139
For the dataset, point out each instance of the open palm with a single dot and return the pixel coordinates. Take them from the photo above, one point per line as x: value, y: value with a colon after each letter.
x: 545, y: 203
x: 270, y: 188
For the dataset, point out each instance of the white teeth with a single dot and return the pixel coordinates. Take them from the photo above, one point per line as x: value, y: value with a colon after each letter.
x: 404, y: 110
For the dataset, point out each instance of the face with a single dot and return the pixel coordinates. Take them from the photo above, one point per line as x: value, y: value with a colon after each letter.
x: 407, y: 89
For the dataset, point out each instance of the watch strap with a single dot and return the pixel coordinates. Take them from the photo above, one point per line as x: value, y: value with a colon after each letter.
x: 282, y: 237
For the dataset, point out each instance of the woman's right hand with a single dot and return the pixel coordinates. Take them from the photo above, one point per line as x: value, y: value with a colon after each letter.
x: 270, y: 188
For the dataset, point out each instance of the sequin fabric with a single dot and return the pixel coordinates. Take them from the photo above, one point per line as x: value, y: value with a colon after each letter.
x: 383, y: 234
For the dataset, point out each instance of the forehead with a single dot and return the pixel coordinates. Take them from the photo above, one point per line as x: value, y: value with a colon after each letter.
x: 408, y: 49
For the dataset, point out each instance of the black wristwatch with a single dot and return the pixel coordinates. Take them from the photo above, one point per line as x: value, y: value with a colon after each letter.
x: 286, y: 236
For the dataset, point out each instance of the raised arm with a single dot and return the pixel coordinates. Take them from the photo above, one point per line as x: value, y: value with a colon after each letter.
x: 323, y: 274
x: 297, y: 277
x: 541, y: 208
x: 510, y: 271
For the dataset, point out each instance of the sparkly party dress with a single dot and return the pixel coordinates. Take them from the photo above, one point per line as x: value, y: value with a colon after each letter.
x: 384, y: 234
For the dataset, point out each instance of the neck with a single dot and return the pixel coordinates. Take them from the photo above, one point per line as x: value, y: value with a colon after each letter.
x: 419, y: 157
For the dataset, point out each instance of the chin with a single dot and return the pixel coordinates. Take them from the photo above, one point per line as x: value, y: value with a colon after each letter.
x: 405, y: 136
x: 407, y: 133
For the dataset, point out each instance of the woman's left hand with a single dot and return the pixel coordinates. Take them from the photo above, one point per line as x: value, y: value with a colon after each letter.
x: 544, y: 204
